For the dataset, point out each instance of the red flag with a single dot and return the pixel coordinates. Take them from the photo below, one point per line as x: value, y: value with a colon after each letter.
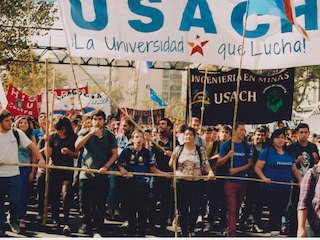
x: 20, y: 103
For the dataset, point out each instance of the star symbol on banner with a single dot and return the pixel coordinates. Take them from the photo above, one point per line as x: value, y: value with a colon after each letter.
x: 197, y: 48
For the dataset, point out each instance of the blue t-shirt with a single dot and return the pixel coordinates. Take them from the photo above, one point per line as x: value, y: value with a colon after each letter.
x: 240, y: 158
x: 134, y: 161
x: 278, y: 167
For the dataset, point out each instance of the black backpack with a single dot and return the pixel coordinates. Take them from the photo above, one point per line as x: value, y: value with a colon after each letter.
x: 17, y: 136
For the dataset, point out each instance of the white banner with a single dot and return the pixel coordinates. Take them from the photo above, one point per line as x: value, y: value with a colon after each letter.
x: 69, y: 102
x: 192, y: 31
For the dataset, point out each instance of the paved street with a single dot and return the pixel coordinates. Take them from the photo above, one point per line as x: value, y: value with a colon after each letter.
x: 112, y: 228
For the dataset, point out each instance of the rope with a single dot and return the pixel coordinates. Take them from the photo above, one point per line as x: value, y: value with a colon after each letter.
x: 131, y: 174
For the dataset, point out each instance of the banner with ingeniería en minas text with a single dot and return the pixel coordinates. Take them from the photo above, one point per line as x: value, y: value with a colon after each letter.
x: 192, y: 31
x: 262, y: 99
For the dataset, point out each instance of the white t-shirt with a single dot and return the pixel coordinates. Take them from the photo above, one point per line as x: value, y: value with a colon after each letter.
x: 9, y: 152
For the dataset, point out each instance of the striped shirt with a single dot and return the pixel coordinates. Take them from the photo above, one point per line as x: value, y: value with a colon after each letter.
x: 312, y: 205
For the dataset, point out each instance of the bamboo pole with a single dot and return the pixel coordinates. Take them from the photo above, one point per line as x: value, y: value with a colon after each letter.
x: 136, y: 88
x: 46, y: 194
x: 117, y: 173
x: 31, y: 54
x: 151, y: 105
x: 189, y: 95
x: 204, y: 94
x: 52, y: 99
x: 175, y: 194
x: 235, y: 112
x: 77, y: 86
x: 113, y: 101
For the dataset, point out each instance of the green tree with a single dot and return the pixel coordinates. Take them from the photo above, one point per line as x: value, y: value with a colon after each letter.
x: 304, y: 77
x: 20, y: 75
x: 176, y: 109
x: 20, y: 20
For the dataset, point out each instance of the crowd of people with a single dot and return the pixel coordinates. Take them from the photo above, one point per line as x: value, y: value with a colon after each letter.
x: 99, y: 144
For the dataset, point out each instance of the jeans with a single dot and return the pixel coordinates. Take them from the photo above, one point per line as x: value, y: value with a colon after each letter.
x: 235, y: 193
x: 217, y: 200
x: 136, y: 205
x: 188, y: 204
x: 277, y: 203
x: 253, y: 204
x: 61, y: 186
x: 10, y: 186
x: 25, y: 185
x: 93, y: 196
x: 164, y: 195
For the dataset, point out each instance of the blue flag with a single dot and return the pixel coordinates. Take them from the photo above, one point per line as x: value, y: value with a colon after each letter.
x: 154, y: 97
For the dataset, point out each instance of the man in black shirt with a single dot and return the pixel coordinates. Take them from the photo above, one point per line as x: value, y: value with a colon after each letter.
x: 163, y: 185
x: 306, y: 155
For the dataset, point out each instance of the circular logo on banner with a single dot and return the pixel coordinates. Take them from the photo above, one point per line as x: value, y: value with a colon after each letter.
x: 274, y: 97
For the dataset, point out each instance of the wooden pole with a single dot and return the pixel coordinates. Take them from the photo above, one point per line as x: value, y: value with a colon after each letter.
x: 36, y: 90
x: 204, y: 94
x: 46, y: 194
x: 235, y: 112
x: 117, y: 173
x: 136, y: 87
x: 151, y: 105
x: 189, y: 95
x: 77, y: 86
x: 52, y: 99
x: 175, y: 194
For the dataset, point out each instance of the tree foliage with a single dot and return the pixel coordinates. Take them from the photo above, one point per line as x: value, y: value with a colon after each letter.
x: 19, y: 22
x: 15, y: 32
x: 21, y: 76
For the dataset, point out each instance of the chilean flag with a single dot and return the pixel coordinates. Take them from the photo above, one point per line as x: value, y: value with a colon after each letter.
x: 282, y: 8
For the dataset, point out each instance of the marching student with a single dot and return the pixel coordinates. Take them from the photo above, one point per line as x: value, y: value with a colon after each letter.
x: 10, y: 181
x: 137, y: 158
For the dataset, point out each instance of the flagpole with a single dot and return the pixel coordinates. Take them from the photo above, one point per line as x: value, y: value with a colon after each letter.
x: 204, y: 94
x: 46, y: 193
x: 235, y: 112
x: 77, y: 87
x: 151, y: 104
x: 136, y: 88
x: 189, y: 94
x: 53, y: 96
x: 31, y: 54
x: 175, y: 194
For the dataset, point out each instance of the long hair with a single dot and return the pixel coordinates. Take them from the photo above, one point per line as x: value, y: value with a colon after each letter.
x: 29, y: 130
x: 64, y: 122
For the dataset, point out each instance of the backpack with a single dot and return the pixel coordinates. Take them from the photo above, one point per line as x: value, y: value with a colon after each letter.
x: 17, y: 136
x: 180, y: 148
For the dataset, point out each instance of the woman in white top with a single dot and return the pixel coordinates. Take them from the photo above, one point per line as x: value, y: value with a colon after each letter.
x: 191, y: 161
